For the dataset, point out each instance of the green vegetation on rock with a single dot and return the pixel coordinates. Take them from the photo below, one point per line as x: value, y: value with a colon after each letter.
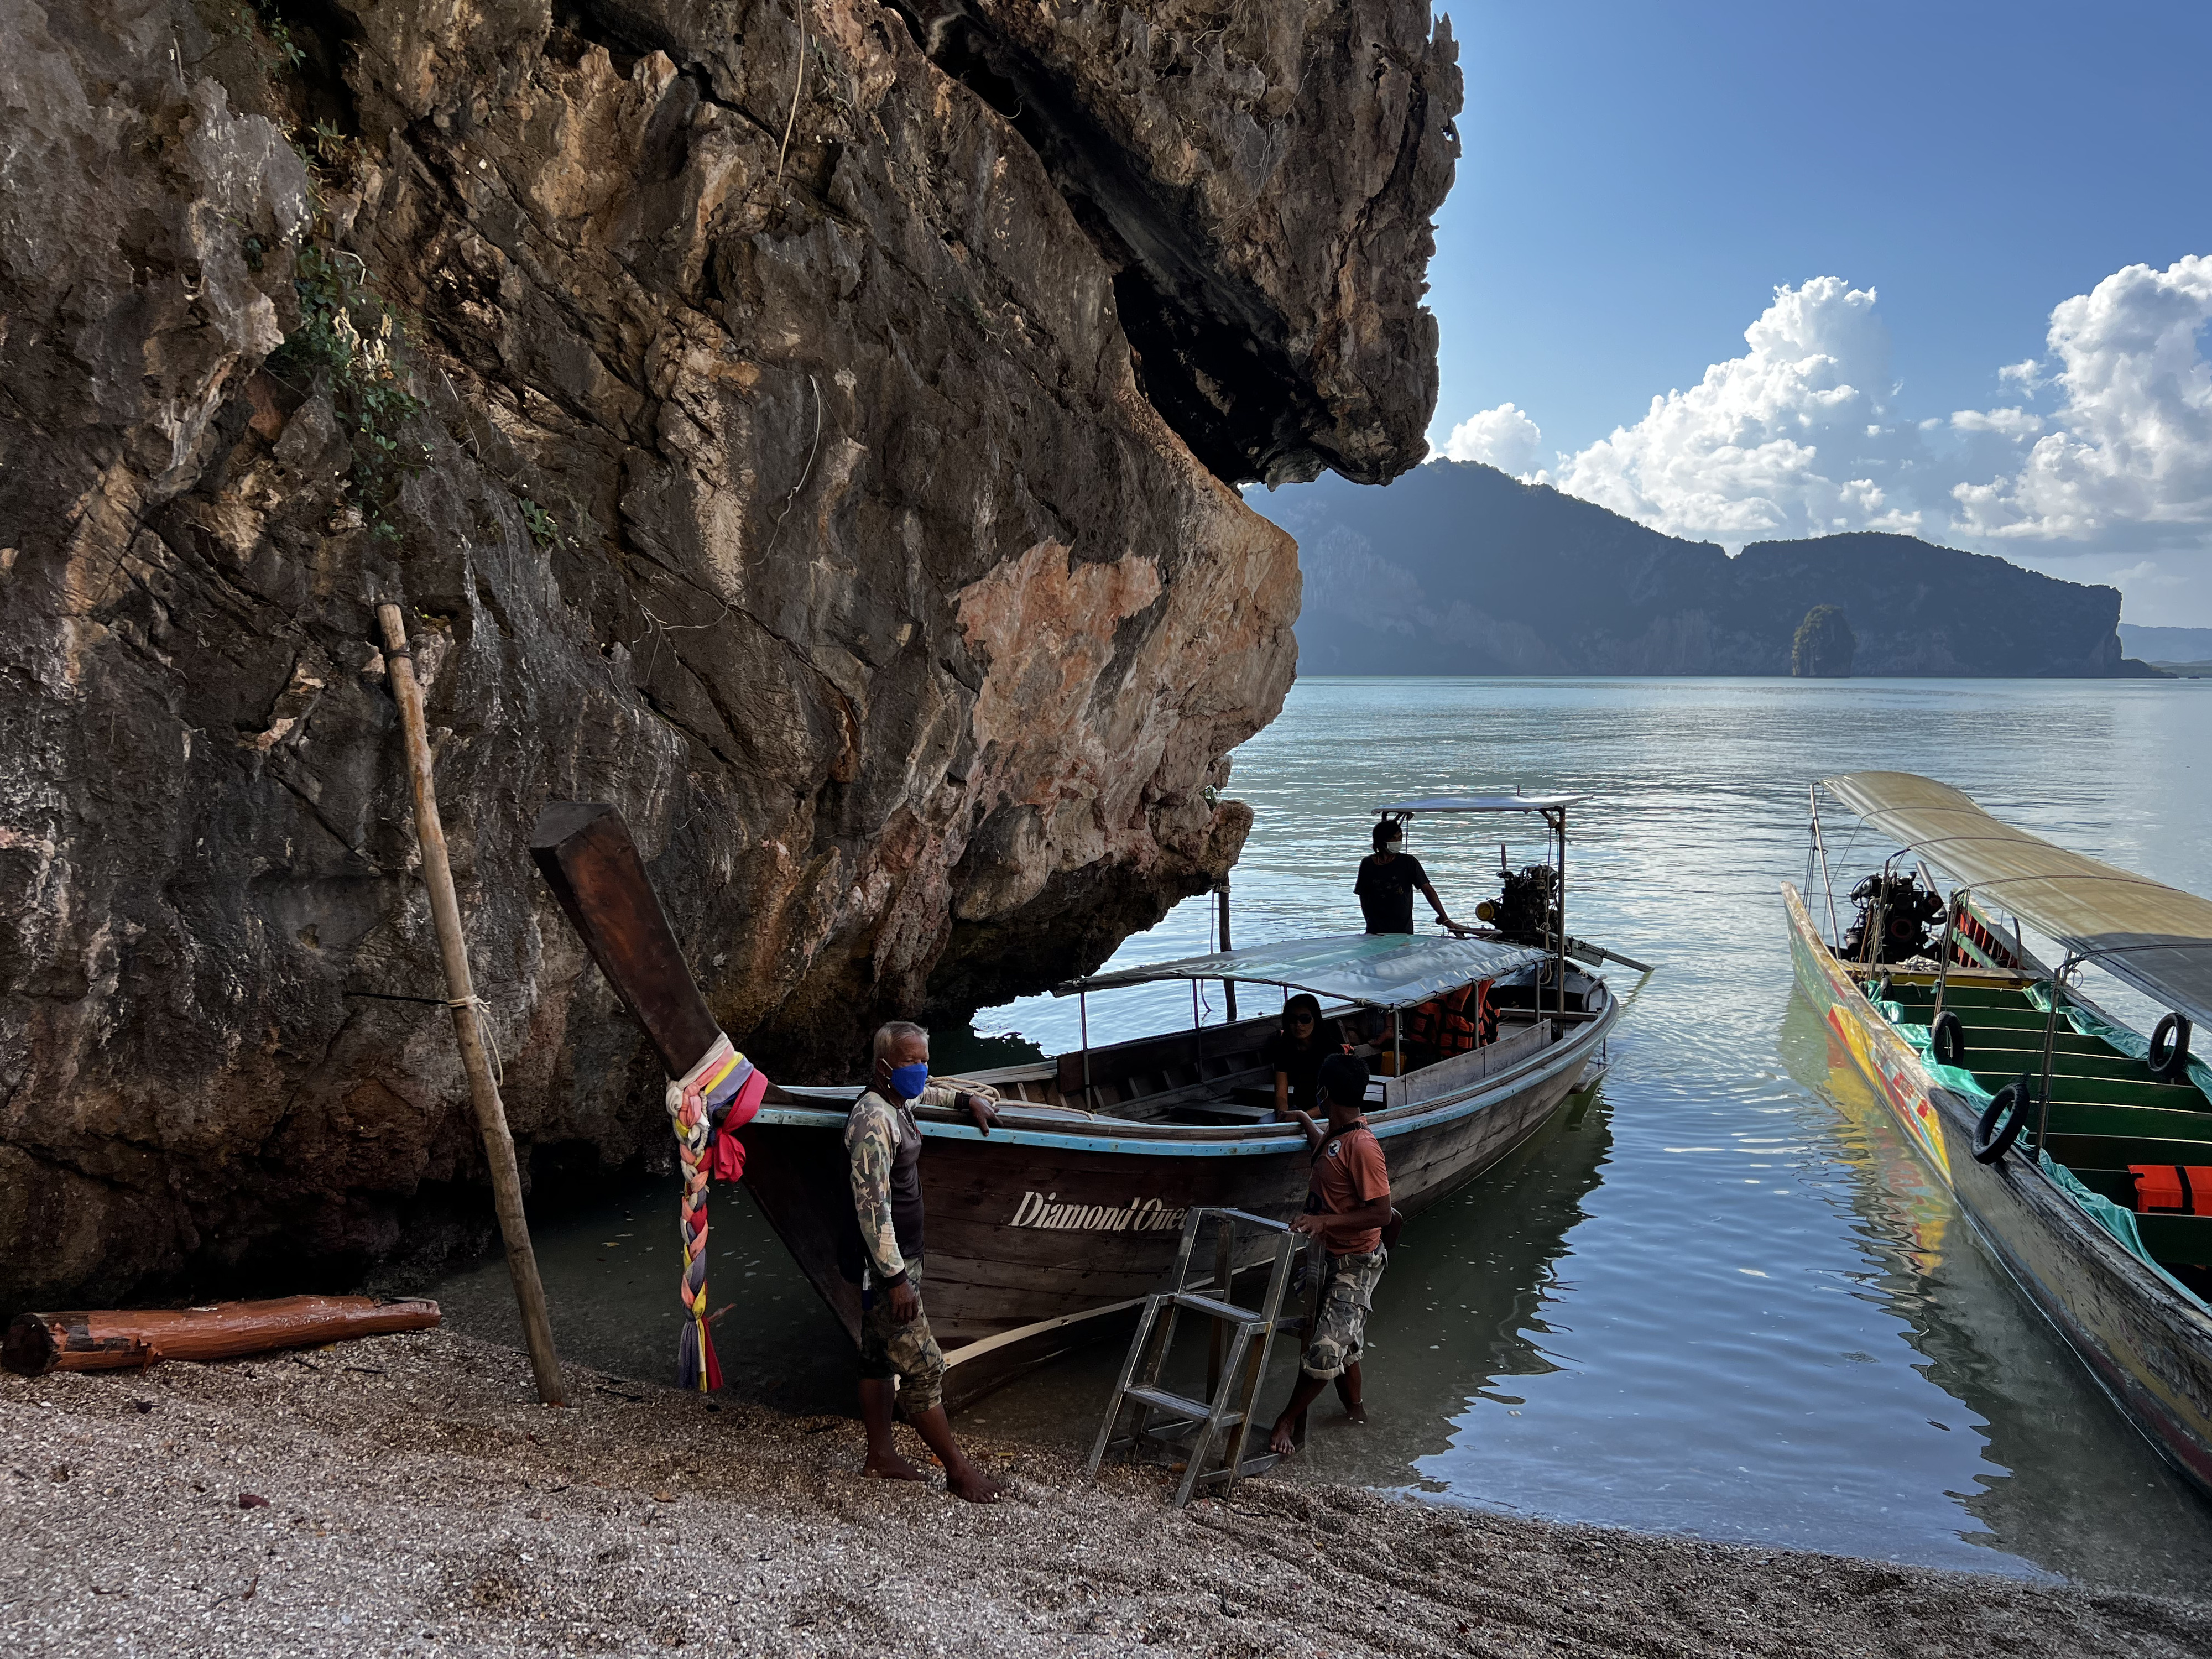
x: 1824, y: 645
x: 354, y: 335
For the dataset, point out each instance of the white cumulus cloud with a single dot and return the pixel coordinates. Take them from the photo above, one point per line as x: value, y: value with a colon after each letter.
x: 1794, y: 438
x: 2003, y: 422
x: 2131, y: 447
x: 1503, y: 437
x: 2103, y: 458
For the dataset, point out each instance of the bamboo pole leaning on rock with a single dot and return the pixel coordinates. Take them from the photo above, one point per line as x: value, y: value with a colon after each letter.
x: 461, y: 998
x: 36, y: 1343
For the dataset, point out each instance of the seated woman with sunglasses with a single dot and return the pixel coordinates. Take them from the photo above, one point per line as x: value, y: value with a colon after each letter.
x: 1296, y: 1054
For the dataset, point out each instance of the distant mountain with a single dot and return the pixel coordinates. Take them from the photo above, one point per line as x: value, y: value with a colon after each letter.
x: 2166, y: 644
x: 1456, y: 569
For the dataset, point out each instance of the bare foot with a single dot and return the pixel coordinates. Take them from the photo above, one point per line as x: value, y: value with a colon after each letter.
x: 890, y: 1466
x: 1280, y: 1442
x: 971, y: 1483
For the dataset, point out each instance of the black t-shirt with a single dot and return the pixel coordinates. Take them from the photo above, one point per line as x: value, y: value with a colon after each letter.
x: 1302, y: 1065
x: 1386, y: 891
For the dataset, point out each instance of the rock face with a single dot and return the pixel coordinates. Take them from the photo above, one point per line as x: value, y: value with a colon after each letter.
x: 809, y: 426
x: 1457, y: 568
x: 1823, y: 645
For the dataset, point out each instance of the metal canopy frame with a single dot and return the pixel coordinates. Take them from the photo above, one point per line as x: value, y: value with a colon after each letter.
x: 1553, y: 809
x: 1267, y: 965
x: 2156, y: 938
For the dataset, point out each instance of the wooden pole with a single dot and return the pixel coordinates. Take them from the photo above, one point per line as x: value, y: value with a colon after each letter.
x: 460, y: 997
x: 1228, y: 986
x: 1943, y: 963
x: 2049, y: 1048
x: 1562, y: 968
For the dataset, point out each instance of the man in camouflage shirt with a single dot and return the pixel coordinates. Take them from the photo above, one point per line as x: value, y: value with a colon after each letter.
x: 884, y: 1144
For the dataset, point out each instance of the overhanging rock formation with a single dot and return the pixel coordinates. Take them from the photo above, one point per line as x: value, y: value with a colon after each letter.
x: 809, y: 426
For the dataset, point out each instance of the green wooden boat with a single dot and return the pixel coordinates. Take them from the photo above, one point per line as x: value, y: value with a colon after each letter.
x: 2069, y: 1138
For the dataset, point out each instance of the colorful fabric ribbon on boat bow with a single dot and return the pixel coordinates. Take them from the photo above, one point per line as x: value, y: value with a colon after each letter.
x: 716, y: 1097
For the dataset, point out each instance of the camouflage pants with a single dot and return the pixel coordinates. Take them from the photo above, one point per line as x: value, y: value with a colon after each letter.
x: 1347, y: 1295
x: 908, y: 1352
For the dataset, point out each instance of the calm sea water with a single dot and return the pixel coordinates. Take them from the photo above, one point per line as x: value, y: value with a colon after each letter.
x: 1718, y: 1295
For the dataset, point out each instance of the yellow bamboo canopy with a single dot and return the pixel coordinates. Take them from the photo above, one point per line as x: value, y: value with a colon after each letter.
x: 2153, y: 937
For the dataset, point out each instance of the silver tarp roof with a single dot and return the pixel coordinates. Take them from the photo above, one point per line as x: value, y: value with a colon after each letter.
x: 2157, y: 938
x: 1385, y: 970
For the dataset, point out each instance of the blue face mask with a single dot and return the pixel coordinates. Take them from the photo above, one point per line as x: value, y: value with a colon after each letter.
x: 908, y: 1081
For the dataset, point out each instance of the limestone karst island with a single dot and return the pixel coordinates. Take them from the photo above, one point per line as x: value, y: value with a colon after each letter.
x: 807, y: 848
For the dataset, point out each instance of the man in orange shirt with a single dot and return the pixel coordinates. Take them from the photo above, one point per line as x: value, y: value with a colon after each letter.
x: 1348, y: 1206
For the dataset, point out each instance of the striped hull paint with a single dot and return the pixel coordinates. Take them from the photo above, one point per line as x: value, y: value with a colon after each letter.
x: 2150, y: 1346
x: 1047, y: 1233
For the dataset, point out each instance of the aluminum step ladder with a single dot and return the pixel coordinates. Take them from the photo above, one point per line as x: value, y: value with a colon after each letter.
x: 1242, y: 1338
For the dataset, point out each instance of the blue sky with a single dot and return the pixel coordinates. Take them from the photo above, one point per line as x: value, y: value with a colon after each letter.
x: 1637, y: 181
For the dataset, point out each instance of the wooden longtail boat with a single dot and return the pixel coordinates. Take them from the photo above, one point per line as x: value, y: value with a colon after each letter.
x: 1069, y: 1212
x: 2054, y: 1124
x: 1067, y: 1215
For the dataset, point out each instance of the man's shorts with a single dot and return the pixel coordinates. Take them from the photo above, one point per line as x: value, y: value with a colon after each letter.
x: 908, y: 1352
x: 1347, y: 1296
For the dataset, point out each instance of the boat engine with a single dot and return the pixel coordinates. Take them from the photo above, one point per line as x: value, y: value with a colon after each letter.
x: 1906, y: 911
x: 1527, y: 909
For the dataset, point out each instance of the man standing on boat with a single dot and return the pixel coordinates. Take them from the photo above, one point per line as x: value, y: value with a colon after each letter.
x: 1388, y: 881
x: 1348, y: 1207
x: 884, y: 1144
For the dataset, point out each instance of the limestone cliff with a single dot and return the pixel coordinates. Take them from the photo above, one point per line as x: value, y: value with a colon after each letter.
x: 807, y: 424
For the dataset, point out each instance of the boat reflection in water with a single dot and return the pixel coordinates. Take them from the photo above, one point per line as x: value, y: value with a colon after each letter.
x: 1458, y: 1318
x: 2067, y: 1473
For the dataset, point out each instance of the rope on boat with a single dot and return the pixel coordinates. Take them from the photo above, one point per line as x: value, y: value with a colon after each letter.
x: 718, y: 1095
x: 483, y: 1028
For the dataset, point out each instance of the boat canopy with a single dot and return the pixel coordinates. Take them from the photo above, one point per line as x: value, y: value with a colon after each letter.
x: 2155, y: 938
x: 1383, y: 970
x: 1513, y: 803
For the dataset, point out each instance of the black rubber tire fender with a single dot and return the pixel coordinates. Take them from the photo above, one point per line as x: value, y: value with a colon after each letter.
x: 2001, y: 1121
x: 2170, y: 1063
x: 1947, y: 1040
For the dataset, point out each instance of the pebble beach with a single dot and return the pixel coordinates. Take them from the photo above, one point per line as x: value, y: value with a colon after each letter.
x: 407, y: 1494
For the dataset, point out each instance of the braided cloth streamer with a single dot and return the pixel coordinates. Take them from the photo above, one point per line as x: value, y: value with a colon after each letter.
x: 717, y: 1096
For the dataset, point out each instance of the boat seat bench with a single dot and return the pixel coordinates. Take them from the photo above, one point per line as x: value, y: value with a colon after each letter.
x: 2071, y: 1088
x: 1236, y: 1110
x: 2021, y: 1018
x: 2012, y: 1061
x: 2027, y: 1039
x: 1964, y: 998
x: 2183, y: 1239
x: 2125, y: 1122
x: 2079, y: 1152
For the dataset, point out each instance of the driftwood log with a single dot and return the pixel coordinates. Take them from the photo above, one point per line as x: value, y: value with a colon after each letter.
x: 39, y: 1342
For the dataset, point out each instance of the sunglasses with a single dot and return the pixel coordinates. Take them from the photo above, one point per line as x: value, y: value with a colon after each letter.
x: 1301, y: 1019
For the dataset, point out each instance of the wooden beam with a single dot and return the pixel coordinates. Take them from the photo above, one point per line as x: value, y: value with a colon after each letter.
x: 584, y: 850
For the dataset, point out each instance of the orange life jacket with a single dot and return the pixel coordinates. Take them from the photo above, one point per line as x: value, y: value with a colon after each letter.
x: 2175, y: 1189
x: 1456, y: 1022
